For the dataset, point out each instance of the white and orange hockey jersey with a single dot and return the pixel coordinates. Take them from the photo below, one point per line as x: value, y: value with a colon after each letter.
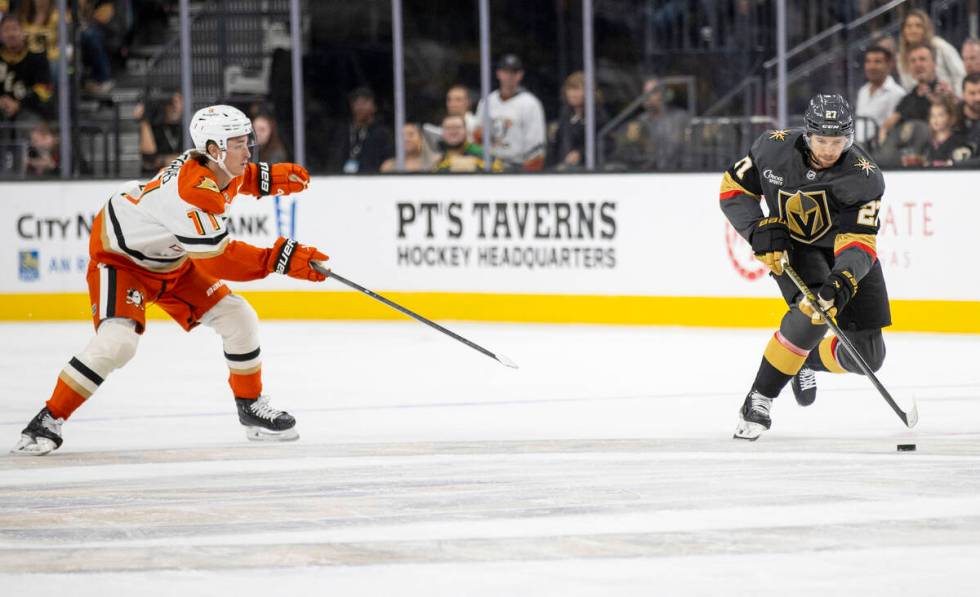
x: 158, y: 227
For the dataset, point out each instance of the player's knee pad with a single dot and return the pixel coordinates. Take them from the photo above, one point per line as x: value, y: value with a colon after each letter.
x: 798, y: 329
x: 870, y: 344
x: 112, y: 347
x: 236, y: 322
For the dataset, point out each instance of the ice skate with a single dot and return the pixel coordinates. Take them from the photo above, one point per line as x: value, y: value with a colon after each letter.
x: 753, y: 417
x: 804, y: 385
x: 264, y: 423
x: 41, y: 436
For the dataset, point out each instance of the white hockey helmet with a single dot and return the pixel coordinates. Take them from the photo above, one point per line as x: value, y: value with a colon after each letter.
x: 218, y: 124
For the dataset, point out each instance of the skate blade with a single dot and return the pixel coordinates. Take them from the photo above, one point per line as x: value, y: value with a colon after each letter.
x: 748, y: 430
x: 261, y: 434
x: 29, y: 446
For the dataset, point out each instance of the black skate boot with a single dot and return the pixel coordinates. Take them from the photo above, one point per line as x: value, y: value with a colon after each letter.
x: 264, y: 423
x: 41, y: 436
x: 804, y: 385
x: 753, y: 417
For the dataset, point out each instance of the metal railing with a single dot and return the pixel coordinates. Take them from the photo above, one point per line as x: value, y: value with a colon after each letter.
x: 224, y: 33
x: 96, y: 146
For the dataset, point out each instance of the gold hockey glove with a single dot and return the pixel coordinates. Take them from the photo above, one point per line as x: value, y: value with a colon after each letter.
x: 770, y: 240
x: 839, y: 288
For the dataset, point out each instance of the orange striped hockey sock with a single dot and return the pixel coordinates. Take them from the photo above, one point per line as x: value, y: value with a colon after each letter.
x: 64, y: 400
x: 246, y: 385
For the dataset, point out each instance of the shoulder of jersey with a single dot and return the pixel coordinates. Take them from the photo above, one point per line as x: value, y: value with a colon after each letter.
x: 196, y: 185
x: 775, y: 140
x: 862, y: 174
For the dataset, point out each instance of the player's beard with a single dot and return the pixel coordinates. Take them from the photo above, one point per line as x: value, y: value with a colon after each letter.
x: 819, y: 165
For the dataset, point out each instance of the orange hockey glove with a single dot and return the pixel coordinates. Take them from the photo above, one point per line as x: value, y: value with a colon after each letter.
x: 282, y: 179
x: 293, y: 259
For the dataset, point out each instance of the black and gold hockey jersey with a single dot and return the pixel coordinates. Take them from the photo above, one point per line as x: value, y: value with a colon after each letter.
x: 833, y: 207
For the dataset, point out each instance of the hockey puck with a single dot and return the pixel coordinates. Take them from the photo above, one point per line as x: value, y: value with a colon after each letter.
x: 906, y: 447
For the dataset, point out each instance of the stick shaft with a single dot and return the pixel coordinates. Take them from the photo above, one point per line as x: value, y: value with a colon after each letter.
x: 848, y: 346
x: 334, y: 275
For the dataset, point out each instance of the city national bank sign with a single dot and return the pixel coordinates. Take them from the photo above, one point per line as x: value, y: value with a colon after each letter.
x: 52, y: 245
x: 506, y: 235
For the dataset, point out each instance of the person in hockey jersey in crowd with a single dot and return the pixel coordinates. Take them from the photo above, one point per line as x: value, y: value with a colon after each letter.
x: 166, y: 242
x: 25, y: 77
x: 823, y: 195
x: 517, y: 121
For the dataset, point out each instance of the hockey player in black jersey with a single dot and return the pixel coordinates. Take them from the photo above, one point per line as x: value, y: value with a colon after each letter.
x: 823, y: 195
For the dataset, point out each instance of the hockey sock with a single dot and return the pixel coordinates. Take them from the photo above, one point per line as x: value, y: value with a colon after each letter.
x: 824, y: 358
x: 780, y: 362
x: 65, y: 399
x: 237, y: 324
x: 113, y: 345
x: 246, y: 385
x: 830, y: 357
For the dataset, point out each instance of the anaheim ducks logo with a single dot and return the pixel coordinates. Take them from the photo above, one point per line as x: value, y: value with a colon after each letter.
x: 806, y: 213
x: 135, y: 297
x: 208, y: 184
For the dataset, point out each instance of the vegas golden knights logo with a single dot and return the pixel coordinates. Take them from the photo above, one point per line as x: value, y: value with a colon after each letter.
x: 807, y: 214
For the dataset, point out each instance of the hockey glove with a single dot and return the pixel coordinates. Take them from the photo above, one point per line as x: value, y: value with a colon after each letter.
x: 293, y: 259
x: 770, y: 239
x: 839, y: 288
x: 282, y: 179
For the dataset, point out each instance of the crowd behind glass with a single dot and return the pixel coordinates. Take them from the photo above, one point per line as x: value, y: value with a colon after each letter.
x: 918, y: 107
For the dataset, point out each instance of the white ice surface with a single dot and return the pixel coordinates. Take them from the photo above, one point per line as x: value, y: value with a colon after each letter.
x: 603, y: 466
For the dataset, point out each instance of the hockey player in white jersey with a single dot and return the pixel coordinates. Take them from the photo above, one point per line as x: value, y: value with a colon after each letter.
x: 517, y: 120
x: 166, y: 242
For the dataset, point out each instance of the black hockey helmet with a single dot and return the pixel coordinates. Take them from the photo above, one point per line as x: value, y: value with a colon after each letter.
x: 829, y: 115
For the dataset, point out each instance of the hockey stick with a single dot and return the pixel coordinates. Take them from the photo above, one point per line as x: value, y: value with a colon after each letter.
x: 334, y: 275
x: 910, y: 417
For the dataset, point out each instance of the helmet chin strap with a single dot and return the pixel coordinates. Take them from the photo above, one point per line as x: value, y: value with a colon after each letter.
x: 221, y: 162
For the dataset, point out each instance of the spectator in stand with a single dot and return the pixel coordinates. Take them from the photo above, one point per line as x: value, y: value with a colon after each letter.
x: 40, y: 21
x: 517, y: 120
x: 459, y: 154
x: 106, y: 24
x: 876, y: 99
x: 928, y: 88
x: 363, y: 144
x: 566, y: 136
x: 458, y: 103
x: 968, y: 119
x: 269, y: 147
x: 25, y: 76
x: 162, y: 134
x: 971, y: 55
x: 654, y: 140
x: 917, y: 29
x: 418, y: 156
x: 946, y: 145
x: 42, y: 155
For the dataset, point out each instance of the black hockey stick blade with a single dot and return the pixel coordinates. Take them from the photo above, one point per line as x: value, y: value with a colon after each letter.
x: 502, y: 359
x: 908, y: 416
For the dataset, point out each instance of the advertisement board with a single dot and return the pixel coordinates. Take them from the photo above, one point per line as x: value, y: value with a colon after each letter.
x: 660, y: 239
